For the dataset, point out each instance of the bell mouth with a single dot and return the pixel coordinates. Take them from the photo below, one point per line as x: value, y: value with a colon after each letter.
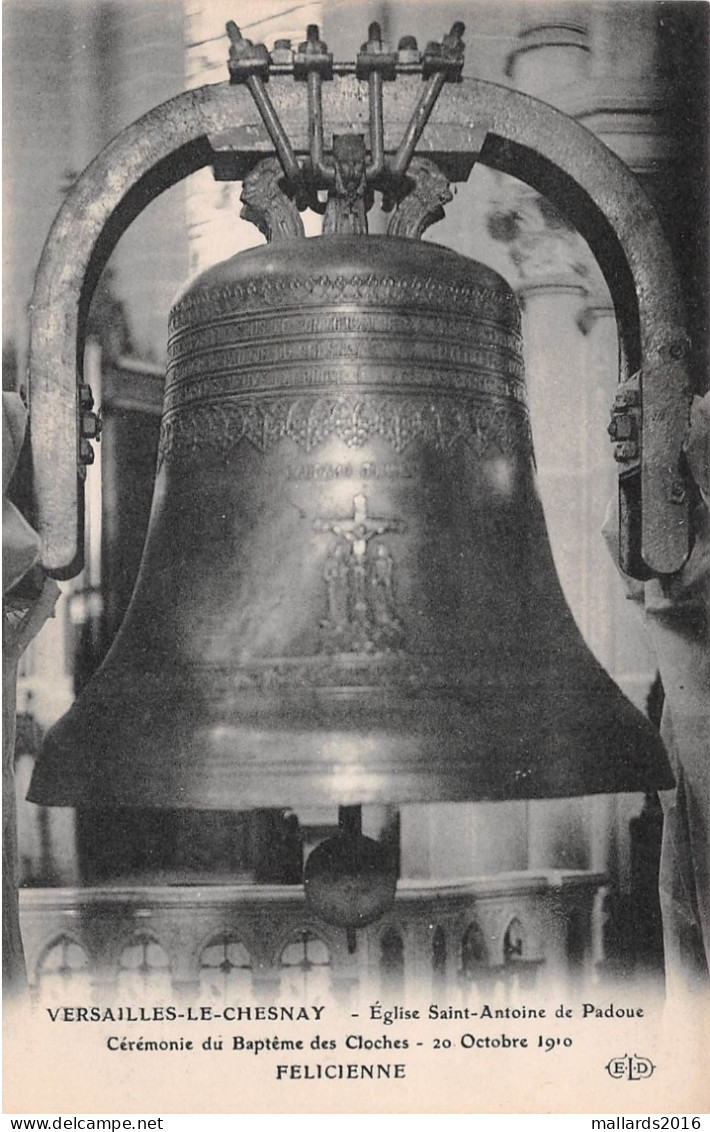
x: 346, y: 594
x: 348, y: 749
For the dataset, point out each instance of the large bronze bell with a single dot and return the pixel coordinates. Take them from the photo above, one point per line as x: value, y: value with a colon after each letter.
x: 347, y: 593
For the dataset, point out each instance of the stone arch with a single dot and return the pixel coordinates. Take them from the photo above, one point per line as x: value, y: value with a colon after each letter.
x: 514, y: 941
x: 224, y: 962
x: 146, y: 963
x: 439, y: 951
x: 474, y: 951
x: 304, y: 960
x: 391, y: 958
x: 64, y: 956
x: 576, y: 940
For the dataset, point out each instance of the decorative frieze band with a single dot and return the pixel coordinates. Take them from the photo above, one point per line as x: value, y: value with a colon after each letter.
x: 216, y: 428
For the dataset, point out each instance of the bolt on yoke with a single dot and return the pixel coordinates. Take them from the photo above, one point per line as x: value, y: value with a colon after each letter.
x: 346, y: 173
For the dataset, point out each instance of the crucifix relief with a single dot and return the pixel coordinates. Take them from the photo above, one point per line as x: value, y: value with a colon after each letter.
x: 358, y: 578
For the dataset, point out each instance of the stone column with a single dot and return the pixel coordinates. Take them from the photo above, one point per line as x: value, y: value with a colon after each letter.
x: 613, y: 630
x: 555, y: 272
x: 454, y: 840
x: 570, y: 55
x: 553, y: 48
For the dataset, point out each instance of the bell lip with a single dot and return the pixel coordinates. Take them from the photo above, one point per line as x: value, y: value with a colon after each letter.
x: 308, y: 794
x: 370, y: 252
x: 267, y: 780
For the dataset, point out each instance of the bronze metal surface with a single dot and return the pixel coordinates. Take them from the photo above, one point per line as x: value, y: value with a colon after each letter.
x: 473, y: 120
x: 347, y: 593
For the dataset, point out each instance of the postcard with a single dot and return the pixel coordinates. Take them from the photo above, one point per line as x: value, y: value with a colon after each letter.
x: 356, y: 559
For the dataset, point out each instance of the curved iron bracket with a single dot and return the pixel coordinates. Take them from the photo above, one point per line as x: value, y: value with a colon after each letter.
x: 504, y: 129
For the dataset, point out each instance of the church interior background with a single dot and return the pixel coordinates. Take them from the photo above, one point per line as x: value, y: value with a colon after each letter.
x: 490, y: 894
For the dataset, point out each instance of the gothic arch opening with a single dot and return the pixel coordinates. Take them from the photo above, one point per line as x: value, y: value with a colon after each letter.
x: 62, y: 965
x: 474, y: 953
x: 305, y: 963
x: 225, y: 966
x: 391, y: 960
x: 143, y: 964
x: 438, y: 956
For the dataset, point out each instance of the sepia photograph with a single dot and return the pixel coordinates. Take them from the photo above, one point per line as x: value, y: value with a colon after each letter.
x: 356, y: 558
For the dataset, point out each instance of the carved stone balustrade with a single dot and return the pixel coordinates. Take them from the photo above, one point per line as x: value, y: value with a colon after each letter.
x: 258, y: 941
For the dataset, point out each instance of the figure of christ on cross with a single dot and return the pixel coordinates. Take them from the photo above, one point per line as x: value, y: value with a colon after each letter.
x: 357, y: 532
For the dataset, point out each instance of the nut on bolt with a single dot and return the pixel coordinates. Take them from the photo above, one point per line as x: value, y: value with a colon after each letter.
x: 90, y: 424
x: 86, y: 452
x: 408, y: 52
x: 624, y: 427
x: 626, y: 398
x: 245, y: 58
x: 374, y: 45
x: 86, y: 397
x: 625, y: 450
x: 678, y: 349
x: 620, y: 427
x: 376, y: 56
x: 282, y: 54
x: 447, y: 56
x: 313, y: 55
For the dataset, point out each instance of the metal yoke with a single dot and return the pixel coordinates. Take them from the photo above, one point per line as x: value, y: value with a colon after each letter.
x: 230, y: 127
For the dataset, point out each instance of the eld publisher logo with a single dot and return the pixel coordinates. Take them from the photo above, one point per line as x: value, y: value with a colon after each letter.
x: 630, y: 1068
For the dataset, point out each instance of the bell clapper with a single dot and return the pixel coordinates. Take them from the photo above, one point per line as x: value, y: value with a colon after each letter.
x: 350, y: 821
x: 348, y: 879
x: 350, y: 826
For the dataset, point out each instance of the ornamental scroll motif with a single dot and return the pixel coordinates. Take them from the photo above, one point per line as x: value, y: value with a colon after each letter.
x: 267, y: 206
x: 424, y: 203
x: 215, y: 429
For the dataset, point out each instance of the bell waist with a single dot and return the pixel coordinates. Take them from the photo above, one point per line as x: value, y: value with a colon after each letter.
x: 380, y: 351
